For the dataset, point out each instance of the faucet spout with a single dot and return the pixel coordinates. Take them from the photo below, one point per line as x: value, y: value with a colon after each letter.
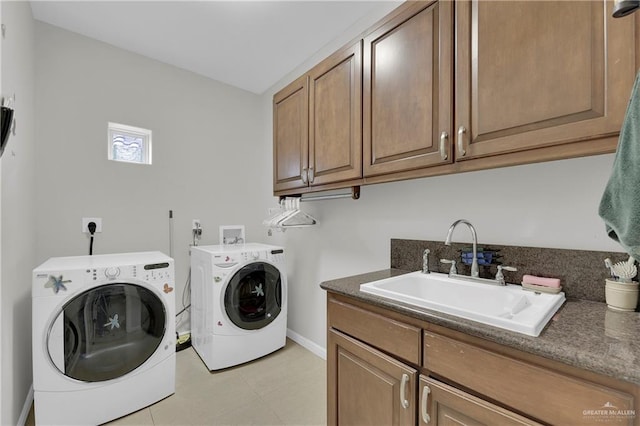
x: 474, y: 262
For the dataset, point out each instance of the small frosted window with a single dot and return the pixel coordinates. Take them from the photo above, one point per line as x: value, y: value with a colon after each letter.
x: 129, y: 144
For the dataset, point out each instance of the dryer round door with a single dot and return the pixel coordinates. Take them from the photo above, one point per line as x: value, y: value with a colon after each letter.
x: 107, y: 332
x: 253, y: 297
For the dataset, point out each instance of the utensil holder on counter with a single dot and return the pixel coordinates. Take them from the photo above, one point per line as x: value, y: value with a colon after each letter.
x: 621, y: 296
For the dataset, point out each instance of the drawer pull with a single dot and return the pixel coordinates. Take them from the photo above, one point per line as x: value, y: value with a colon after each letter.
x: 304, y: 176
x: 444, y: 136
x: 425, y: 407
x: 403, y: 385
x: 461, y: 132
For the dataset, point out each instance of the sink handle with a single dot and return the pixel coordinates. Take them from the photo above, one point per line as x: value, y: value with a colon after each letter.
x: 453, y: 269
x: 425, y: 261
x: 500, y: 275
x: 403, y: 386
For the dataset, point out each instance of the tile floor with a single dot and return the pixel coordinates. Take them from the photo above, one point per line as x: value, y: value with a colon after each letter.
x: 287, y: 387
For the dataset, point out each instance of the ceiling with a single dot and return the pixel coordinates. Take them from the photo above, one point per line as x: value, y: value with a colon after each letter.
x: 247, y: 44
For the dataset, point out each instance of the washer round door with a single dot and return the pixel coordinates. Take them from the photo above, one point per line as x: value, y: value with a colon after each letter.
x: 107, y: 332
x: 253, y: 297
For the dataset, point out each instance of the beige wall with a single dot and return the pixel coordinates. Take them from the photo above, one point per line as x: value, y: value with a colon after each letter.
x: 208, y: 159
x: 18, y: 218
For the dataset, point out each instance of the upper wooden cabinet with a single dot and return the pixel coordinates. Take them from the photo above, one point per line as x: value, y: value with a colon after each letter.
x: 532, y: 74
x: 290, y: 135
x: 441, y: 87
x: 407, y: 93
x: 335, y: 132
x: 317, y: 124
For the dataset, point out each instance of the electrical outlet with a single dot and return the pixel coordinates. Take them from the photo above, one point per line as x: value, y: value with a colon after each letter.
x: 85, y: 224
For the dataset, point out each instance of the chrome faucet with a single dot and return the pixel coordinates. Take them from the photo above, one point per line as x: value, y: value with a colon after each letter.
x: 452, y: 270
x: 425, y: 261
x: 474, y: 263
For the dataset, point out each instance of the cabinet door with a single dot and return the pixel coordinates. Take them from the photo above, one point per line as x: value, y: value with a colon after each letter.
x: 441, y: 404
x: 335, y: 117
x: 407, y: 90
x: 539, y: 73
x: 290, y: 136
x: 367, y: 387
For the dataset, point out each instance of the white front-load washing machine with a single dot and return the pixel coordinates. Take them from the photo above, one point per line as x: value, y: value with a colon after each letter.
x: 103, y: 336
x: 238, y: 302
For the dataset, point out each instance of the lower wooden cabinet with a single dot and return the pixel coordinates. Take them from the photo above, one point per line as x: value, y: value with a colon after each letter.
x: 375, y: 377
x: 441, y: 404
x: 369, y: 387
x: 372, y: 388
x: 553, y: 397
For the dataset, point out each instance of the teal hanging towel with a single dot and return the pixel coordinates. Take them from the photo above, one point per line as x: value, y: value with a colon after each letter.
x: 620, y: 204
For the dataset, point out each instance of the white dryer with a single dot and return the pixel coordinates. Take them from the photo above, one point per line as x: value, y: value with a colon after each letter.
x: 238, y: 302
x: 103, y: 336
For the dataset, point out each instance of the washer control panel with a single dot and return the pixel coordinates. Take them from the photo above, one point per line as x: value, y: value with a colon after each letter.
x: 112, y: 272
x: 224, y: 262
x: 155, y: 272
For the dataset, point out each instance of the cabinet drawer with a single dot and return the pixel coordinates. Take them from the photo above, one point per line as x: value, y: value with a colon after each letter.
x: 397, y: 338
x: 538, y: 392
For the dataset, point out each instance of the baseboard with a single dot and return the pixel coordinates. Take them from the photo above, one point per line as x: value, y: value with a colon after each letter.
x: 22, y: 420
x: 307, y: 344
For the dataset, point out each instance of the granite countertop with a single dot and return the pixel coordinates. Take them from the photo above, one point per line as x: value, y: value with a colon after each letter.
x: 582, y: 334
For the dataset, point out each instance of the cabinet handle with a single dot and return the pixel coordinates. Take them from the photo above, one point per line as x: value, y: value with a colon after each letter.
x: 444, y: 136
x: 461, y: 132
x: 425, y: 407
x: 403, y: 386
x: 311, y: 175
x: 304, y: 175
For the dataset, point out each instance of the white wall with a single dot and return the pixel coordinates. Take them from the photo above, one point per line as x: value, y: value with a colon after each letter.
x: 209, y: 159
x: 18, y: 217
x: 545, y: 205
x: 552, y: 204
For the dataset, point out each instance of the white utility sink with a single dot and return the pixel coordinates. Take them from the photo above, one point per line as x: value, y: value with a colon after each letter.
x: 508, y: 307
